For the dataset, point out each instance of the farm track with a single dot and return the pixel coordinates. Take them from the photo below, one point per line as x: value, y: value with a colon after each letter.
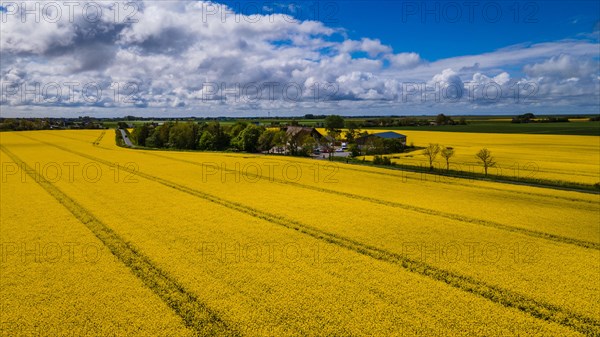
x: 549, y: 312
x: 422, y: 210
x: 195, y: 314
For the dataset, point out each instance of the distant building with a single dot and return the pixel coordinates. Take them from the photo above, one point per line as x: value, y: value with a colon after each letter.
x: 301, y: 132
x: 381, y: 135
x: 296, y: 138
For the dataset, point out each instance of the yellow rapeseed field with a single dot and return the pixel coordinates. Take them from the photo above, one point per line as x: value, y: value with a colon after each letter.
x: 243, y: 244
x: 59, y: 279
x: 566, y: 158
x: 553, y: 157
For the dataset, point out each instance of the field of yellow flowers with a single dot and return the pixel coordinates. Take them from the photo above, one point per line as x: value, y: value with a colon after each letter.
x: 121, y: 241
x: 561, y: 158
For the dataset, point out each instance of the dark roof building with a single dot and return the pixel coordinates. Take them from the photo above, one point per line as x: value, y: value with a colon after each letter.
x: 300, y: 131
x: 383, y: 135
x: 389, y: 135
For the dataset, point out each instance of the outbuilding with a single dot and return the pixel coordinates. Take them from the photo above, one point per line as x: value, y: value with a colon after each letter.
x: 382, y: 135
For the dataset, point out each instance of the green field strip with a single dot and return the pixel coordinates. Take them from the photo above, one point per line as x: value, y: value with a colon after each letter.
x: 538, y: 309
x: 195, y: 314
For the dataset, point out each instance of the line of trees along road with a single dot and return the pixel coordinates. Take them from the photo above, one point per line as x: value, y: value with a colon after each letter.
x: 216, y: 137
x: 205, y: 136
x: 249, y: 137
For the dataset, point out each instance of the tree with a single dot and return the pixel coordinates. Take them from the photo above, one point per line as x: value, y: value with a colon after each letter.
x: 207, y: 141
x: 440, y: 119
x: 354, y: 150
x: 140, y: 133
x: 236, y: 129
x: 334, y: 136
x: 485, y: 156
x: 524, y: 118
x: 214, y: 138
x: 184, y: 135
x: 280, y: 139
x: 447, y: 153
x: 161, y: 135
x: 266, y: 141
x: 431, y: 153
x: 151, y: 140
x: 392, y: 146
x: 247, y: 140
x: 295, y: 143
x: 353, y: 131
x: 334, y: 122
x: 307, y: 145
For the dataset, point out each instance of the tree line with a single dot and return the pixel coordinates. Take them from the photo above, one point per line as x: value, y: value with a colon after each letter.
x: 432, y: 151
x: 210, y: 136
x: 440, y: 119
x: 213, y: 136
x: 484, y: 156
x: 29, y: 124
x: 531, y: 118
x: 252, y: 138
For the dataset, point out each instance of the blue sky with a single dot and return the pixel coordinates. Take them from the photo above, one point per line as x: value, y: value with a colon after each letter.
x: 442, y: 29
x: 203, y: 58
x: 549, y: 21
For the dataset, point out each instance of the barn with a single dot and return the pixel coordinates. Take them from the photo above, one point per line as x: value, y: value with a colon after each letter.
x: 381, y: 135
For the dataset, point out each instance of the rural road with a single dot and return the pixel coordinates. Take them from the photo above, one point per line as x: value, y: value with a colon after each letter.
x: 126, y: 138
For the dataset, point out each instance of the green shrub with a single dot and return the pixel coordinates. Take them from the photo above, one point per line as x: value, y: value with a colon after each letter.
x: 381, y: 160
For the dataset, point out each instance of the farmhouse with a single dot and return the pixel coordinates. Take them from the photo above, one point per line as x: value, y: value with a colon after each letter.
x: 300, y: 132
x: 297, y: 136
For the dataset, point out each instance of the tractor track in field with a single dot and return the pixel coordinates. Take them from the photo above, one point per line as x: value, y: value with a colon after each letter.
x: 402, y: 171
x: 438, y: 178
x: 194, y: 313
x: 99, y: 139
x: 422, y: 210
x: 96, y: 142
x: 538, y: 309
